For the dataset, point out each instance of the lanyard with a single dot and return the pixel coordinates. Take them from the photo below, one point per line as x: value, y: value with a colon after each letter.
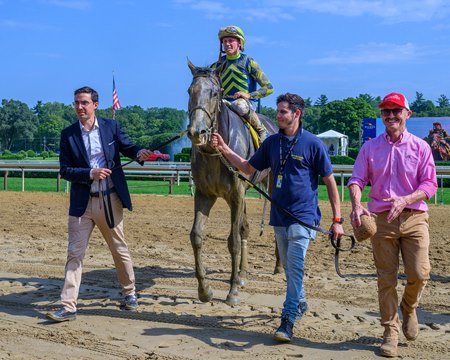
x: 283, y: 161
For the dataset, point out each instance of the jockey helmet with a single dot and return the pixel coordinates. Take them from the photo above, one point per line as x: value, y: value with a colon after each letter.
x: 232, y: 31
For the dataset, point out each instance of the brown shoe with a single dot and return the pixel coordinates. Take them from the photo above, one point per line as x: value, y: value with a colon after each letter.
x: 389, y: 347
x: 410, y: 325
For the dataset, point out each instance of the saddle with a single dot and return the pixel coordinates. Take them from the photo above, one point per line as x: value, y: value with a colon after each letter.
x: 253, y: 133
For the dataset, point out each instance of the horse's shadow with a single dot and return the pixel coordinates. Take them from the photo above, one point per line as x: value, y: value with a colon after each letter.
x: 241, y: 340
x: 224, y: 331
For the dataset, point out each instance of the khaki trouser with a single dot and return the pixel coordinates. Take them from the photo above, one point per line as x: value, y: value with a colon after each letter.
x: 407, y: 235
x: 80, y: 229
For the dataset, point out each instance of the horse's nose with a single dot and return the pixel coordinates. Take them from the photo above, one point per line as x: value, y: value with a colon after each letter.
x: 197, y: 129
x: 197, y: 134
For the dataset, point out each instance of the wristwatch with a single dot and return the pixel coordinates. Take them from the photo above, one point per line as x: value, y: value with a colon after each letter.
x: 338, y: 220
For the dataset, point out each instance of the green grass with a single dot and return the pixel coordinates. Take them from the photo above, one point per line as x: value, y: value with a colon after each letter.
x: 162, y: 188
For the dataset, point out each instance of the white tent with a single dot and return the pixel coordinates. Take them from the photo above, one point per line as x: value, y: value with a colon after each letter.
x: 336, y: 143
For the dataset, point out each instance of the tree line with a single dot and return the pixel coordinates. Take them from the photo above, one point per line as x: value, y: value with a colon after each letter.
x: 38, y: 128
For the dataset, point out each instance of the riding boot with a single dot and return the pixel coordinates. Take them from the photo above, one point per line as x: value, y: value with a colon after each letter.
x: 253, y: 119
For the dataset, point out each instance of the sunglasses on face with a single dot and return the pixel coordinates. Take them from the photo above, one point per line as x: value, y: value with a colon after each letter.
x: 395, y: 112
x: 229, y: 29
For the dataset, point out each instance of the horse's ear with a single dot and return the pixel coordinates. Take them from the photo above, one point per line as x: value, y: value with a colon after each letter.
x: 191, y: 66
x: 218, y: 69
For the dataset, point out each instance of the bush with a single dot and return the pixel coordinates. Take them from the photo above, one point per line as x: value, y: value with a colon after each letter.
x: 186, y: 150
x: 442, y: 163
x: 353, y: 152
x: 7, y: 153
x: 31, y: 154
x: 180, y: 157
x: 44, y: 154
x: 21, y: 155
x: 342, y: 160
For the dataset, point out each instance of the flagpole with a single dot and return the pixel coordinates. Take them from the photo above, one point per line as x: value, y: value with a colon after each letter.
x: 115, y: 99
x: 114, y: 87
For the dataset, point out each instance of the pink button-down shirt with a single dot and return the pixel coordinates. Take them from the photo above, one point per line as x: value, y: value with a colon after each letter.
x: 395, y: 169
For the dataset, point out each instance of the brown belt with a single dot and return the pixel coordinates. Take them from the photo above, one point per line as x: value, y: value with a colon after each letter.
x: 408, y: 210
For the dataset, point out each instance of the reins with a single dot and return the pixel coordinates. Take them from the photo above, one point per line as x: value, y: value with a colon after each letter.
x: 335, y: 243
x: 107, y: 205
x: 215, y: 80
x: 214, y: 119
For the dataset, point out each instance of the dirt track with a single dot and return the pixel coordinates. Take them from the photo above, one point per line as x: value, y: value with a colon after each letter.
x: 171, y: 323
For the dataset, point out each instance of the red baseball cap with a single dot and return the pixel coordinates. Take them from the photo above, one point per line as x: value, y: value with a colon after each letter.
x: 396, y: 99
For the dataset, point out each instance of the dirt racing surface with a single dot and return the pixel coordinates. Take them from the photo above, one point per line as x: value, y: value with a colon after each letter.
x: 342, y: 323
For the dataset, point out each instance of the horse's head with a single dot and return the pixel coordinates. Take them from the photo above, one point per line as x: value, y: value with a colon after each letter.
x: 435, y: 141
x: 204, y: 103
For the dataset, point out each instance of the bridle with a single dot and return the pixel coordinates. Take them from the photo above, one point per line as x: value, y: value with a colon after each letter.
x: 213, y: 116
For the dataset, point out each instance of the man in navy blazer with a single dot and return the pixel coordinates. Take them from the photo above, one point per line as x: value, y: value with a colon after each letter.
x: 90, y: 159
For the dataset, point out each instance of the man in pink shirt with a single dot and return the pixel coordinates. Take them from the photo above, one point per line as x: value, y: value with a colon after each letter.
x: 400, y: 168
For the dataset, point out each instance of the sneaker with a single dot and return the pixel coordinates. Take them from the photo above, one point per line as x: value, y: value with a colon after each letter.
x: 130, y: 302
x: 285, y: 331
x: 62, y: 315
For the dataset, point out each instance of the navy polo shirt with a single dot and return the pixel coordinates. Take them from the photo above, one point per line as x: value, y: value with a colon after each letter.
x: 299, y: 185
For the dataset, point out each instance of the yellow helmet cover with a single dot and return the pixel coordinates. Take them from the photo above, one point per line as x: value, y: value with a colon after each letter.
x: 232, y: 31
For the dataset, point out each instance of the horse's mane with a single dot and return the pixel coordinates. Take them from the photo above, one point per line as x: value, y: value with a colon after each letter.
x: 204, y: 71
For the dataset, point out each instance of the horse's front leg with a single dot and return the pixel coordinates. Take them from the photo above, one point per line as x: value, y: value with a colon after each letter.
x: 203, y: 205
x: 278, y: 266
x: 236, y: 204
x: 243, y: 268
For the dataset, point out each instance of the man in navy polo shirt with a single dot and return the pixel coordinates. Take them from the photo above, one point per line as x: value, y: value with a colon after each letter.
x: 297, y: 158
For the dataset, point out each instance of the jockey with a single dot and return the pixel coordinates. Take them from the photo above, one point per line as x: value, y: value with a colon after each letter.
x: 437, y: 129
x: 240, y: 75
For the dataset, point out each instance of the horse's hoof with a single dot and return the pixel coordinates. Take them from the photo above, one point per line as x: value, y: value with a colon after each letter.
x: 243, y: 282
x: 205, y: 296
x: 278, y: 270
x: 232, y: 300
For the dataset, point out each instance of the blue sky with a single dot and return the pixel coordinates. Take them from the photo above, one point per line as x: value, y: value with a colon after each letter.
x: 340, y: 48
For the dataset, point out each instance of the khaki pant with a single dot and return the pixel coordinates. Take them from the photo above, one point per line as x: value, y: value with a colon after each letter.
x: 407, y: 235
x: 80, y: 230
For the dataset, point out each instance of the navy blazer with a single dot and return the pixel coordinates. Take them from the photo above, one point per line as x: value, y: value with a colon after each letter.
x: 75, y: 167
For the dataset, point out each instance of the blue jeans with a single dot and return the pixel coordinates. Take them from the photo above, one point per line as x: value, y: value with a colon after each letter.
x: 292, y: 242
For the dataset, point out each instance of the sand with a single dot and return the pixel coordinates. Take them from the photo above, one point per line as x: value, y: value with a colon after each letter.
x: 342, y: 323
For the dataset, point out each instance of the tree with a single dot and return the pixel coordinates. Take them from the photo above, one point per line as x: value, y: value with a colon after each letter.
x: 321, y: 101
x: 418, y: 104
x: 443, y: 102
x: 310, y: 118
x: 49, y: 130
x: 65, y: 112
x: 165, y: 120
x: 372, y: 101
x: 271, y: 113
x: 16, y: 121
x: 345, y: 117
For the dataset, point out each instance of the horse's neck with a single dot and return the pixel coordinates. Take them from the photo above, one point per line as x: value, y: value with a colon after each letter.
x: 234, y: 133
x: 223, y: 123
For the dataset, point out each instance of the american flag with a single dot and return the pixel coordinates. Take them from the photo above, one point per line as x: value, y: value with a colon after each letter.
x: 116, y: 102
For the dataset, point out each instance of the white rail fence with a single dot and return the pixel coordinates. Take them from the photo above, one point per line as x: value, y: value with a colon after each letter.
x: 171, y: 172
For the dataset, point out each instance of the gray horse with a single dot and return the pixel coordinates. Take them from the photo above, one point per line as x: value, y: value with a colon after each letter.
x: 213, y: 179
